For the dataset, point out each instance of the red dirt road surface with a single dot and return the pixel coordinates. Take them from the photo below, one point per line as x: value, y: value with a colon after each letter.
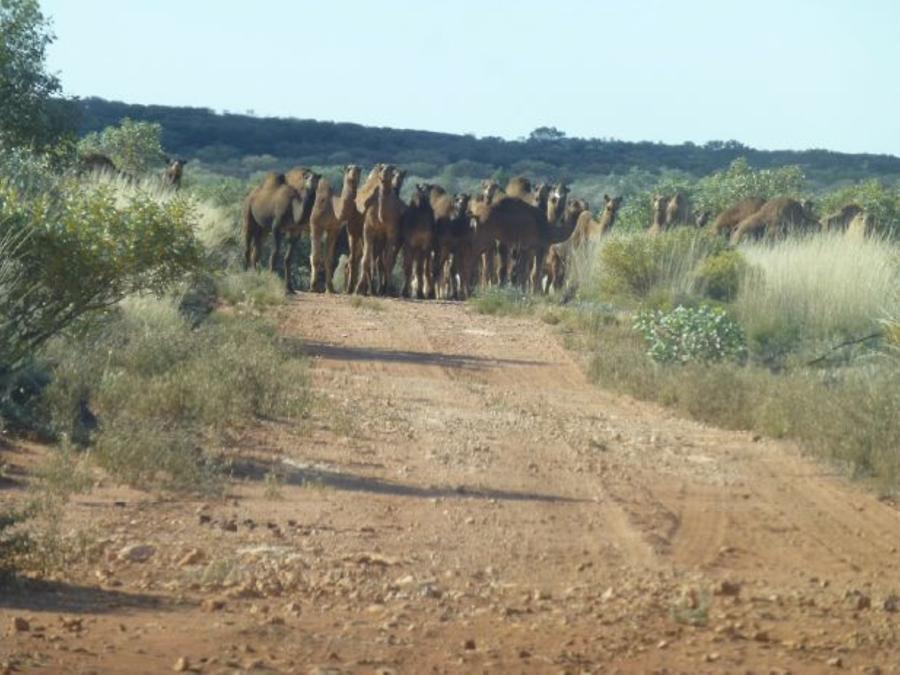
x: 463, y: 500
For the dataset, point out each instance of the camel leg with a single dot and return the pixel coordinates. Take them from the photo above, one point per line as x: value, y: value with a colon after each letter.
x: 351, y: 273
x: 277, y: 239
x: 364, y: 284
x: 315, y: 258
x: 387, y: 265
x: 408, y: 262
x: 428, y: 273
x: 331, y: 240
x: 288, y: 257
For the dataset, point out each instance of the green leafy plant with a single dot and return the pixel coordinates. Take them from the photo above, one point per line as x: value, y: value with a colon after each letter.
x: 134, y: 147
x: 719, y: 276
x: 691, y: 334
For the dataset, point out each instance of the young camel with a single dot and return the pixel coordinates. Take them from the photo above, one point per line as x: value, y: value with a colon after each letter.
x: 658, y: 224
x: 586, y: 230
x: 417, y: 241
x: 329, y: 214
x: 383, y: 210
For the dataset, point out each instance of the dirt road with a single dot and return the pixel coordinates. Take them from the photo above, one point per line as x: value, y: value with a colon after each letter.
x: 462, y: 499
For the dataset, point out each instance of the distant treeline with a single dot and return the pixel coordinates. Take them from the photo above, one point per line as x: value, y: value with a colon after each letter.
x: 241, y: 144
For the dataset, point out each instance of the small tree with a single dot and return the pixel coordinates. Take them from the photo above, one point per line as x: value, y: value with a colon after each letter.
x: 134, y: 147
x: 29, y: 115
x: 546, y: 134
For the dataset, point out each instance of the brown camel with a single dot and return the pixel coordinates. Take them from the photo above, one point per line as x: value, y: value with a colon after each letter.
x: 397, y: 180
x: 676, y: 210
x: 660, y: 205
x: 452, y: 243
x: 365, y: 196
x: 586, y: 230
x: 276, y: 207
x: 729, y: 218
x: 329, y: 214
x: 416, y: 237
x: 520, y: 187
x: 173, y: 173
x: 515, y: 223
x: 380, y: 229
x: 774, y: 219
x: 840, y: 220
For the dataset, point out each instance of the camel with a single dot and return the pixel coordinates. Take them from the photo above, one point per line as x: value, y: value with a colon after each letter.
x: 701, y: 219
x: 329, y: 214
x: 862, y: 224
x: 365, y: 195
x: 660, y: 207
x: 729, y: 218
x: 520, y: 187
x: 173, y: 173
x: 676, y: 210
x: 586, y: 230
x: 514, y: 222
x: 416, y: 236
x: 452, y: 242
x: 383, y: 210
x: 397, y: 180
x: 774, y: 219
x: 841, y: 219
x: 276, y: 207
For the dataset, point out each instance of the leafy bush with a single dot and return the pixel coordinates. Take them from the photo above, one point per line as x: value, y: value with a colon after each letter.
x: 636, y: 267
x: 719, y: 276
x: 69, y: 254
x: 257, y: 289
x: 846, y: 416
x: 134, y: 147
x: 162, y: 391
x: 691, y: 334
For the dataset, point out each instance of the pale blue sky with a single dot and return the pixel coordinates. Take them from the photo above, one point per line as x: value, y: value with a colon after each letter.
x: 791, y: 74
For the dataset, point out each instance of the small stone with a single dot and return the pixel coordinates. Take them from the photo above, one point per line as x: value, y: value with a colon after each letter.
x: 213, y: 605
x: 20, y: 625
x: 836, y: 662
x: 182, y: 665
x: 662, y: 644
x: 761, y: 636
x: 608, y: 594
x: 137, y: 553
x: 293, y: 608
x: 711, y: 657
x: 230, y: 526
x: 728, y: 588
x: 469, y: 644
x: 891, y: 603
x: 193, y: 557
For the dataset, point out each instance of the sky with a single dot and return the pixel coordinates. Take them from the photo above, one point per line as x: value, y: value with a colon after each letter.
x: 789, y: 74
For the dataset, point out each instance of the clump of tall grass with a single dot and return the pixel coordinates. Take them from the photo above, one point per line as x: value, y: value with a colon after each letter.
x: 503, y: 301
x: 659, y: 271
x: 817, y: 289
x: 158, y: 391
x: 256, y: 289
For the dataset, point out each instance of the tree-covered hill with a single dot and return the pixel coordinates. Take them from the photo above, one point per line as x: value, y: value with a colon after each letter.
x: 241, y: 144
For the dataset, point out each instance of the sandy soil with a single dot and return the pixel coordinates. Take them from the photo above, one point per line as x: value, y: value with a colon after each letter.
x: 462, y: 499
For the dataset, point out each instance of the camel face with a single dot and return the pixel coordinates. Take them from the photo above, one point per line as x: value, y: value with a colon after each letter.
x: 490, y: 189
x: 660, y: 204
x: 352, y: 174
x: 397, y: 179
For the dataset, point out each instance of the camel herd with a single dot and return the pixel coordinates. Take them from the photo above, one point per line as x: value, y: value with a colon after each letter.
x: 523, y: 235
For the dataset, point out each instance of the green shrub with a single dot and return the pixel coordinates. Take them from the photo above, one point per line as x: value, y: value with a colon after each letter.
x: 163, y: 392
x: 503, y: 301
x: 257, y: 289
x: 71, y: 254
x: 635, y: 266
x: 719, y: 276
x: 690, y: 334
x: 134, y: 147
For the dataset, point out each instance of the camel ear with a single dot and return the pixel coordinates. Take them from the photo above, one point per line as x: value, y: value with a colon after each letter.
x: 607, y: 199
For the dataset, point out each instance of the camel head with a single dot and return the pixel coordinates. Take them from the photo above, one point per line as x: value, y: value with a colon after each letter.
x: 397, y: 180
x: 460, y: 203
x: 556, y: 203
x: 351, y: 175
x: 660, y: 202
x: 421, y: 196
x: 489, y: 189
x: 702, y: 218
